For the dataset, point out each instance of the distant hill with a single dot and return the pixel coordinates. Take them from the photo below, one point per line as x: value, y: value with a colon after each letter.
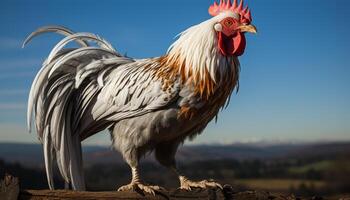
x: 31, y: 155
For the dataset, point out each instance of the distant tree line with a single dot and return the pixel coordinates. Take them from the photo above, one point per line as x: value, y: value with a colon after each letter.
x: 110, y: 176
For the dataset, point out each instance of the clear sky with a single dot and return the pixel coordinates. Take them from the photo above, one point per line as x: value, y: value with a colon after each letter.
x: 295, y: 73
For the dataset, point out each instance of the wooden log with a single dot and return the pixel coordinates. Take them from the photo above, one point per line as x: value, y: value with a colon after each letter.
x: 75, y: 195
x: 9, y: 188
x: 172, y: 195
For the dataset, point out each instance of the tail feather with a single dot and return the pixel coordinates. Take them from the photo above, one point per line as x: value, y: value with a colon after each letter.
x: 54, y: 100
x: 80, y: 36
x: 76, y: 164
x: 48, y: 157
x: 55, y: 29
x: 39, y: 82
x: 86, y: 55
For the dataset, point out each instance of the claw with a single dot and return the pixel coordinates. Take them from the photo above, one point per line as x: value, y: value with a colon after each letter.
x: 205, y: 184
x: 150, y: 189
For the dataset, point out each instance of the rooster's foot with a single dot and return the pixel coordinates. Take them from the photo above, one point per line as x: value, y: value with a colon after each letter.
x: 205, y: 184
x: 135, y: 186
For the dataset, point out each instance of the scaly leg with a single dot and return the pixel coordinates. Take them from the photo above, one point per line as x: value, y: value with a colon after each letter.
x: 136, y: 183
x: 187, y: 184
x: 165, y: 154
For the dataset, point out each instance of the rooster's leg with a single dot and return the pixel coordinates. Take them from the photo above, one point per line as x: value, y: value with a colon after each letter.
x: 136, y: 184
x: 165, y: 154
x: 187, y: 184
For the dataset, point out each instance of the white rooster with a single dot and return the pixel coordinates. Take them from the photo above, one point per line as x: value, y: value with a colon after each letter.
x: 151, y: 104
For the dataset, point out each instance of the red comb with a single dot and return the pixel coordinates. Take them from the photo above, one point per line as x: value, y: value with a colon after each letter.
x: 226, y: 5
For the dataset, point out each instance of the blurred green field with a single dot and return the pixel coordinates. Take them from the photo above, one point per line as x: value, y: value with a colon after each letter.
x: 279, y: 185
x: 317, y: 166
x: 304, y: 170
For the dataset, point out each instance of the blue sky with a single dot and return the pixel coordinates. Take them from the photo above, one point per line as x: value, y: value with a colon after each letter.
x: 294, y: 75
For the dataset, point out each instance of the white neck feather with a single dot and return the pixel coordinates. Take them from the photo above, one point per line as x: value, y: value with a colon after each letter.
x: 196, y: 50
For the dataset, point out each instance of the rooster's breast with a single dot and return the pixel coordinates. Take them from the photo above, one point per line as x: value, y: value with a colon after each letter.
x: 158, y: 126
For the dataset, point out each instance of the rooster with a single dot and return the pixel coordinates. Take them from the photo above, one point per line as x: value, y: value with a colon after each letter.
x: 150, y: 104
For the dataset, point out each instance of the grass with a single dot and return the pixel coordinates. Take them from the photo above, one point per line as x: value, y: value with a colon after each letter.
x: 317, y: 166
x: 278, y: 184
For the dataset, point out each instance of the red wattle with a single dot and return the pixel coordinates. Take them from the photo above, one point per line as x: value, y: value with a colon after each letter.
x: 233, y: 45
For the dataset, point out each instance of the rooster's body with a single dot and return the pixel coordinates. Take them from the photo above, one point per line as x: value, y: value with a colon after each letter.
x: 147, y: 104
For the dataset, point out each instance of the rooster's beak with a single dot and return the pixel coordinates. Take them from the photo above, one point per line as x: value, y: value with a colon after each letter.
x: 247, y: 28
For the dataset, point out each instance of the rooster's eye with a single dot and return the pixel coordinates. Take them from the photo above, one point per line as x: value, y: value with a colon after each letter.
x: 228, y: 23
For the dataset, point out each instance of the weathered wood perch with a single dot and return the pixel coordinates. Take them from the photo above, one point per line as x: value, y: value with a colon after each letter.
x: 173, y: 194
x: 9, y: 190
x: 71, y: 195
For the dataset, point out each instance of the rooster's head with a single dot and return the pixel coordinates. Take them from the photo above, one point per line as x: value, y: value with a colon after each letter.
x: 231, y: 22
x: 209, y: 50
